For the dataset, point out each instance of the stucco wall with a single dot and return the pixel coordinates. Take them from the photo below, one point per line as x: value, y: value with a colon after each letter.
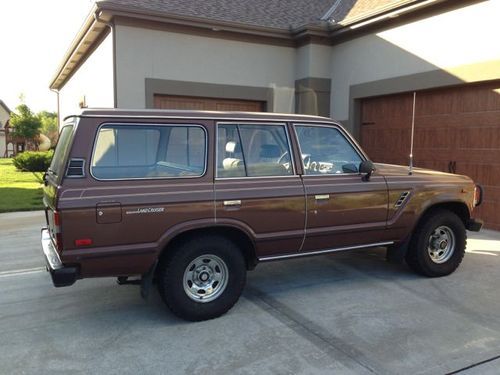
x: 460, y: 45
x: 93, y: 79
x: 145, y: 53
x: 4, y: 116
x: 313, y: 60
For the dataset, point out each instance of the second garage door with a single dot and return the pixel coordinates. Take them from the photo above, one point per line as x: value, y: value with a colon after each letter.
x: 206, y: 104
x: 456, y: 130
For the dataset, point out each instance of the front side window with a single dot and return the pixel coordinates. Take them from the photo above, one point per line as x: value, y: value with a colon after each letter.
x: 253, y: 150
x: 149, y: 151
x: 325, y: 150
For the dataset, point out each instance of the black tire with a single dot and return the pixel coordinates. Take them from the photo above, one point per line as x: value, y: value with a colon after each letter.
x: 437, y: 229
x: 189, y: 304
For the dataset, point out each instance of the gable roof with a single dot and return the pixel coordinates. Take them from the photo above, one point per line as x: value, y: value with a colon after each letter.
x: 282, y: 22
x: 278, y: 14
x: 4, y: 106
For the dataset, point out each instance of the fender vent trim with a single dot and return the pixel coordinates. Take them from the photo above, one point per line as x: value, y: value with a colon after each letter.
x: 76, y: 168
x: 402, y: 199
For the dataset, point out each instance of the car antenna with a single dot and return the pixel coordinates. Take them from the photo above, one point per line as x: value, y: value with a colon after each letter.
x: 410, y: 167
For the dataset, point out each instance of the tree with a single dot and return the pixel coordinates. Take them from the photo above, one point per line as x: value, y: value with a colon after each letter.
x: 49, y: 125
x: 25, y: 124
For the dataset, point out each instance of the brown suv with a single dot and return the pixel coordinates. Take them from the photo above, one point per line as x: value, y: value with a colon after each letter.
x: 191, y: 200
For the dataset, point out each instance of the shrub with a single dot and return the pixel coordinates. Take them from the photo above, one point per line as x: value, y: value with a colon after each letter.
x: 33, y: 161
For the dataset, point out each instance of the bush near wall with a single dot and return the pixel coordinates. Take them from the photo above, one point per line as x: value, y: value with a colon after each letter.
x: 33, y: 161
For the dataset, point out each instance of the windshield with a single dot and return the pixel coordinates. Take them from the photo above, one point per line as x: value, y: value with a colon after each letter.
x: 61, y: 150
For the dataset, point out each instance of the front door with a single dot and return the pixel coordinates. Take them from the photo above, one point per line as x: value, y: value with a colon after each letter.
x: 256, y: 187
x: 342, y: 209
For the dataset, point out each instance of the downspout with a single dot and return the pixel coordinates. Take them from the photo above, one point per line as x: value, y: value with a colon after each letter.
x: 58, y: 107
x: 112, y: 31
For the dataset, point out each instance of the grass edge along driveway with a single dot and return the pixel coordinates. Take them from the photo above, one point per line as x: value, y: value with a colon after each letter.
x: 19, y: 191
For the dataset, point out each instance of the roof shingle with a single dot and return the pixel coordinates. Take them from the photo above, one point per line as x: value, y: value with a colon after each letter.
x: 277, y: 14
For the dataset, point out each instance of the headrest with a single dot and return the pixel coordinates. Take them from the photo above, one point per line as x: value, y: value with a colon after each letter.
x: 231, y: 146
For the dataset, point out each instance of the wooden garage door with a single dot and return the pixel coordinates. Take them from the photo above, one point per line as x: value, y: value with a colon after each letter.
x: 206, y: 104
x: 456, y: 130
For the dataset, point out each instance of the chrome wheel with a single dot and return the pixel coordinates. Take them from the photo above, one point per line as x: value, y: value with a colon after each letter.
x: 205, y: 278
x: 441, y: 244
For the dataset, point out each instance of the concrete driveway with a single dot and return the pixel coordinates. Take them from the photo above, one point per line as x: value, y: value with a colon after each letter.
x: 349, y: 313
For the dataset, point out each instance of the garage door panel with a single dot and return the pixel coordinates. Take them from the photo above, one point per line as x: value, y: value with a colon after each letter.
x: 476, y: 157
x: 466, y: 120
x: 437, y: 138
x: 206, y: 104
x: 479, y: 138
x: 433, y: 104
x: 386, y: 144
x: 387, y: 108
x: 456, y: 129
x: 479, y: 98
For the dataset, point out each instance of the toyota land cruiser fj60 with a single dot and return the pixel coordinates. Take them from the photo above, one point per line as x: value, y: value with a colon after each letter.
x: 191, y: 200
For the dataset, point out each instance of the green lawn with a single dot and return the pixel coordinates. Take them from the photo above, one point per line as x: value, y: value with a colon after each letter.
x: 19, y: 191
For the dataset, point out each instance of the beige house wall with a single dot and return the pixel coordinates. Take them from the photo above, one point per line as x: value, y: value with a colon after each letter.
x: 313, y: 60
x: 93, y: 81
x: 454, y: 47
x: 162, y: 55
x: 4, y: 117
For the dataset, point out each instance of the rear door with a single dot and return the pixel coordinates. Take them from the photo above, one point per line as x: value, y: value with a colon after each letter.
x: 342, y: 209
x: 54, y: 176
x: 257, y: 188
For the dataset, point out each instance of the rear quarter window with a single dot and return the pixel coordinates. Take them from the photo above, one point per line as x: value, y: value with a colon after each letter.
x: 61, y: 153
x: 149, y: 151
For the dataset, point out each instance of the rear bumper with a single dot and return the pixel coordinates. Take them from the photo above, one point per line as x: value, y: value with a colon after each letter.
x: 61, y: 275
x: 474, y: 225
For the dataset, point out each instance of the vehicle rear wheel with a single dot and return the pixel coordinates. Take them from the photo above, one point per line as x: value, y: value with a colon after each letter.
x: 438, y: 245
x: 203, y: 278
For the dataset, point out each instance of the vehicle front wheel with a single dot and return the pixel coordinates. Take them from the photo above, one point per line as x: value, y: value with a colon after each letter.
x: 438, y: 245
x: 203, y: 278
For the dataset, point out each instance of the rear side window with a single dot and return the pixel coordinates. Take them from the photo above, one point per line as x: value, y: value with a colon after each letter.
x: 253, y: 150
x: 62, y: 148
x: 149, y: 151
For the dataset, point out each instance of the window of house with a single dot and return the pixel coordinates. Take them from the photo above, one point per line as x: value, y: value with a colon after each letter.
x: 253, y: 150
x: 149, y: 151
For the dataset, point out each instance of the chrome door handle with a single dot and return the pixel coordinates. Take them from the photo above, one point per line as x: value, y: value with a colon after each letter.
x: 232, y: 203
x: 322, y: 197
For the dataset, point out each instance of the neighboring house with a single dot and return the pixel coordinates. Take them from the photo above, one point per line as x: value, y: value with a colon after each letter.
x: 10, y: 146
x: 4, y: 121
x: 357, y: 61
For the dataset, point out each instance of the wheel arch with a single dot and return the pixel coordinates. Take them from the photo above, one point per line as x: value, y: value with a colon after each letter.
x: 397, y: 252
x: 457, y: 207
x: 238, y: 236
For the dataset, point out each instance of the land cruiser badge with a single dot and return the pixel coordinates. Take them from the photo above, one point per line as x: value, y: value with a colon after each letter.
x: 146, y: 210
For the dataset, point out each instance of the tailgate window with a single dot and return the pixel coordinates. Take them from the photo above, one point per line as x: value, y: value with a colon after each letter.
x: 62, y: 148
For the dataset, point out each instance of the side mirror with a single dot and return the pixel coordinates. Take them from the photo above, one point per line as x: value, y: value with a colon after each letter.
x: 366, y: 168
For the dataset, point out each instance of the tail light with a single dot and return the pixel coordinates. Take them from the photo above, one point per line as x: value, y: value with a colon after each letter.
x: 57, y: 231
x: 478, y: 195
